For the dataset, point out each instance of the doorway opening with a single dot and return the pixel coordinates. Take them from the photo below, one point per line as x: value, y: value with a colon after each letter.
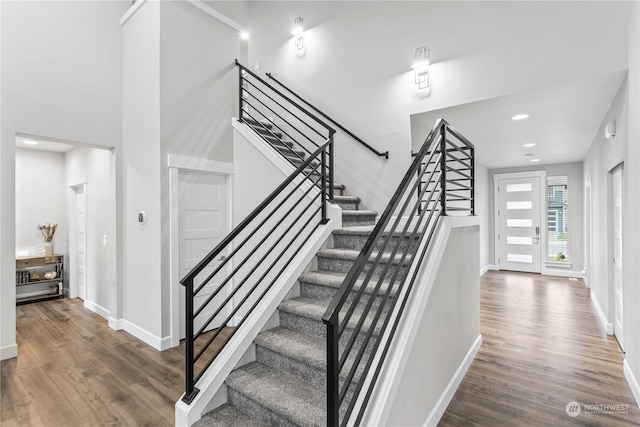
x: 615, y: 227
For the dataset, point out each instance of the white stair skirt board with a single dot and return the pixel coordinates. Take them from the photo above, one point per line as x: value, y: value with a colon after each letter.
x: 608, y: 326
x: 233, y: 351
x: 384, y: 391
x: 632, y: 381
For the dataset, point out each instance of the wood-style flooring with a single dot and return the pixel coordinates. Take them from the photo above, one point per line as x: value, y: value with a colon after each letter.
x: 543, y: 347
x: 73, y: 370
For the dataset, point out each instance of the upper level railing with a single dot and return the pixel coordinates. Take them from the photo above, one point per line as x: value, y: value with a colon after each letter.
x: 289, y: 127
x: 439, y: 182
x: 332, y: 121
x: 225, y: 287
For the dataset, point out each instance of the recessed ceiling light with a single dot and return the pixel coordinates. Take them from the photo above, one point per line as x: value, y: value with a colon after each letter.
x: 244, y: 35
x: 530, y: 144
x: 30, y: 142
x: 535, y: 160
x: 520, y: 117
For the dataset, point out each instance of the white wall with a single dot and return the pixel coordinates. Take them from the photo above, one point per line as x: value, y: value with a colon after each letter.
x: 40, y: 198
x: 448, y: 331
x: 357, y: 66
x: 141, y: 174
x: 484, y: 211
x: 198, y: 97
x: 632, y: 192
x: 575, y: 196
x: 60, y: 81
x: 93, y: 167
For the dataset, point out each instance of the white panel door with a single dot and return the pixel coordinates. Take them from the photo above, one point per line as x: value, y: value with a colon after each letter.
x: 518, y: 219
x: 202, y: 225
x: 80, y: 271
x: 617, y: 254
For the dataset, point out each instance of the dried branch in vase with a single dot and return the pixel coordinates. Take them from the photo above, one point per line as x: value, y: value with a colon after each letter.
x: 48, y: 231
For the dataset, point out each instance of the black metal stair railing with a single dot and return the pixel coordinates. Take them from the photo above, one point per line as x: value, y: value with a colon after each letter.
x: 225, y: 287
x: 439, y: 182
x: 335, y: 123
x: 290, y: 128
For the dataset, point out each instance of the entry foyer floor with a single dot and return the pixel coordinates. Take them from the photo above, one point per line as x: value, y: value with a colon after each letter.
x: 543, y: 348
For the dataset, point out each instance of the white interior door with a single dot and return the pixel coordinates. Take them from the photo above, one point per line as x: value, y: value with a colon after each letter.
x: 202, y: 217
x: 617, y: 254
x: 80, y: 239
x: 518, y: 223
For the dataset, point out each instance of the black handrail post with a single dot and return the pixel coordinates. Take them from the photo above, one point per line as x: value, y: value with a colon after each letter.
x: 443, y: 169
x: 331, y: 166
x: 419, y: 178
x: 323, y: 178
x: 240, y: 100
x: 473, y: 182
x: 333, y: 391
x: 190, y: 389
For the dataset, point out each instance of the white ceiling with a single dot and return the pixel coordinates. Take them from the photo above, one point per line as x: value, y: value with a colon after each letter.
x: 43, y: 145
x: 563, y: 122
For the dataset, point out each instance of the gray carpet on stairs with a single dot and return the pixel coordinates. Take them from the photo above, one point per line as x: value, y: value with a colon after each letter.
x: 285, y: 386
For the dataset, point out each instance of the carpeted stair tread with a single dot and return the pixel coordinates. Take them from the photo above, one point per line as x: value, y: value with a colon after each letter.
x: 333, y: 279
x: 352, y: 255
x: 359, y: 213
x: 260, y: 124
x: 281, y: 393
x: 297, y: 345
x: 229, y: 416
x: 314, y: 310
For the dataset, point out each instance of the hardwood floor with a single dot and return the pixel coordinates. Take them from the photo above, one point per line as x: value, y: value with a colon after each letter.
x: 543, y: 348
x: 73, y: 370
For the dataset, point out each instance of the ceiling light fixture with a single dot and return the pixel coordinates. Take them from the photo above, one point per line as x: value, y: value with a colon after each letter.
x: 528, y: 145
x: 535, y: 160
x: 610, y: 130
x: 421, y: 67
x: 298, y: 32
x: 520, y: 117
x: 30, y: 142
x: 244, y: 35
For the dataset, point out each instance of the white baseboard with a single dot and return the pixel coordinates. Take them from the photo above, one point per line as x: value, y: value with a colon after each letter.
x: 154, y: 341
x: 8, y: 352
x: 562, y: 273
x: 603, y: 319
x: 445, y: 398
x: 486, y: 268
x: 98, y: 309
x: 116, y: 324
x: 633, y: 383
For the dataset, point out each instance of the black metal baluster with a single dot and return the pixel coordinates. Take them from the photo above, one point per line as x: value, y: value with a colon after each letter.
x: 191, y: 390
x: 333, y: 391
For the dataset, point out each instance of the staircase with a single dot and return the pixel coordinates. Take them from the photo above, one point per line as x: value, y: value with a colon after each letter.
x: 287, y: 382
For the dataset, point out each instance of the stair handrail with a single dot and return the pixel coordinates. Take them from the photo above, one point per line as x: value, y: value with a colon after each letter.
x: 305, y: 173
x: 335, y: 123
x: 446, y: 158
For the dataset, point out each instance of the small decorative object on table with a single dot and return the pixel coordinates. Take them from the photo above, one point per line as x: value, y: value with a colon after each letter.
x: 50, y: 275
x: 48, y: 231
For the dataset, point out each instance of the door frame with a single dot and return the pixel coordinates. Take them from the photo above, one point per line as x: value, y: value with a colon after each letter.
x: 542, y: 174
x: 71, y: 262
x: 176, y: 164
x: 588, y: 232
x: 611, y: 250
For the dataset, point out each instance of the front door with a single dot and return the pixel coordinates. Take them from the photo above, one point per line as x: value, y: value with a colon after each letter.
x: 518, y: 222
x: 202, y: 225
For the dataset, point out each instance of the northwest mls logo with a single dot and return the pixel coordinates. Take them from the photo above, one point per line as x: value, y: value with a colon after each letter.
x: 573, y: 409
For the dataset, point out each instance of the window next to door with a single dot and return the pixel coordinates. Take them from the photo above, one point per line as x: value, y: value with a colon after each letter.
x: 557, y: 222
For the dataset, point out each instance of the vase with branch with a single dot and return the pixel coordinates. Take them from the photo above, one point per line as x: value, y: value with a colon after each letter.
x: 48, y: 232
